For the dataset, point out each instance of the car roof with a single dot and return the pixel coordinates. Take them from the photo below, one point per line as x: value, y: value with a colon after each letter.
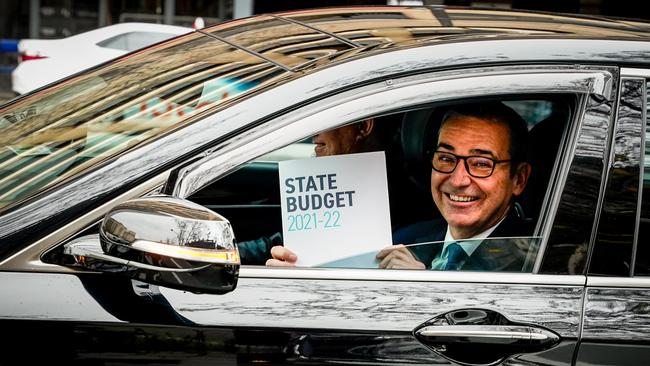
x: 370, y: 28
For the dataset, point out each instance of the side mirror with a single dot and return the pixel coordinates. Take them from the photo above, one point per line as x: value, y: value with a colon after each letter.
x: 166, y: 241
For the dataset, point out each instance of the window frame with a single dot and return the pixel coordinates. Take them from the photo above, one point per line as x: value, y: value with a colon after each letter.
x: 402, y: 94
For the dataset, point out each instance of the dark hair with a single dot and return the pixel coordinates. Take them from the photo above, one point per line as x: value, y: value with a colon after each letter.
x: 499, y: 113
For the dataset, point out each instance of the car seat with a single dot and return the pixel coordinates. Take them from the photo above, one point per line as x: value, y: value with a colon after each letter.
x: 418, y: 133
x: 544, y: 143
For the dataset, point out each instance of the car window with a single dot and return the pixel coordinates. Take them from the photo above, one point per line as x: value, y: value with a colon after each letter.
x: 54, y: 134
x: 134, y: 40
x: 250, y: 197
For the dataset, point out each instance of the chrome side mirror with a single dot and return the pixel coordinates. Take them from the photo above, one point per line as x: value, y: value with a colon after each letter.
x: 166, y: 241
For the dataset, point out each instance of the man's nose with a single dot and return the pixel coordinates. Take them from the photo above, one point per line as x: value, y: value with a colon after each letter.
x: 460, y: 177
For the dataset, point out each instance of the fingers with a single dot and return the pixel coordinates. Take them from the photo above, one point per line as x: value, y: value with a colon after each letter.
x: 398, y: 257
x: 282, y: 257
x: 279, y: 263
x: 384, y: 252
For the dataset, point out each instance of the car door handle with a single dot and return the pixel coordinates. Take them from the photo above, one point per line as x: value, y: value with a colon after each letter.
x: 482, y: 337
x: 488, y: 334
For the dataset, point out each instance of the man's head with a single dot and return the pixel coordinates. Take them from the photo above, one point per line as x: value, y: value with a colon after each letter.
x: 363, y: 136
x: 472, y: 204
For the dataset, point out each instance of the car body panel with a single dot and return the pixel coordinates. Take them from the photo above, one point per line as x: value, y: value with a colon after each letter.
x: 340, y: 320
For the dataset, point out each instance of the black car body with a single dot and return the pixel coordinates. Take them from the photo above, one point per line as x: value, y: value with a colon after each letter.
x: 192, y: 117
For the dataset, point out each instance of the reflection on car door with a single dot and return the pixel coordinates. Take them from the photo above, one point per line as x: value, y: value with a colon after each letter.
x: 617, y: 292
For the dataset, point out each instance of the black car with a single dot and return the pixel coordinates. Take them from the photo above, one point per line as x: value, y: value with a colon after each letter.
x: 123, y: 188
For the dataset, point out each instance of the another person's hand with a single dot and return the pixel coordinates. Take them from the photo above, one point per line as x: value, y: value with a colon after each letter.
x: 398, y: 257
x: 282, y: 257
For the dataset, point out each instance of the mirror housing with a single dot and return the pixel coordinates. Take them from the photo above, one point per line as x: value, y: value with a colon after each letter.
x: 166, y: 241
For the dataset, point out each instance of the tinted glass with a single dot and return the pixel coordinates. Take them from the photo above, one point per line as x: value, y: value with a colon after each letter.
x: 281, y: 41
x: 516, y: 254
x: 642, y: 259
x: 64, y: 130
x: 575, y: 216
x: 612, y: 252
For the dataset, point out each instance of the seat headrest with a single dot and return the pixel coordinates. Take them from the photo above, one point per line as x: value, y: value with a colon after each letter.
x: 417, y: 134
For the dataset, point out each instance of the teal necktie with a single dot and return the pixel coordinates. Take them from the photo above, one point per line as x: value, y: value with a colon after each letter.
x: 456, y: 257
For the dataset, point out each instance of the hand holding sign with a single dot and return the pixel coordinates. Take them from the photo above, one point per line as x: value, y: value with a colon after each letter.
x: 334, y: 207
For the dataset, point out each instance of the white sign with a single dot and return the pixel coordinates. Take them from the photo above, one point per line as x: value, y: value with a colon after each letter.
x: 334, y: 206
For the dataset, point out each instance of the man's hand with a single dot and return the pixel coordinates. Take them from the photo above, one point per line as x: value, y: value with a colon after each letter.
x: 282, y: 257
x: 398, y: 257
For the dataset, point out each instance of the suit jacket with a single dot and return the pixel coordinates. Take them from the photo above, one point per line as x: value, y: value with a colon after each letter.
x: 490, y: 255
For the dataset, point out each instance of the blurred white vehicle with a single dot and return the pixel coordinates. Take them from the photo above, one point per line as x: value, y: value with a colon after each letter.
x: 43, y: 61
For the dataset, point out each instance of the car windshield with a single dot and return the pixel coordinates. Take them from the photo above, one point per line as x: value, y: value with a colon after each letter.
x: 60, y: 131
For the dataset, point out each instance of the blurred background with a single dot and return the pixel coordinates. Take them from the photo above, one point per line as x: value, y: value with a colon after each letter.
x: 55, y: 19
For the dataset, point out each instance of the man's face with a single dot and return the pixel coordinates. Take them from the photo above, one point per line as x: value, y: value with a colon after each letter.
x: 472, y: 205
x: 342, y: 140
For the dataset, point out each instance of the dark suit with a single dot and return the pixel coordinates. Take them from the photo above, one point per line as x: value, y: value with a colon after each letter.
x: 490, y: 255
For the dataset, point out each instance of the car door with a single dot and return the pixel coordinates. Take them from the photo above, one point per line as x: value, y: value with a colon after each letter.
x: 617, y: 286
x: 349, y: 316
x: 386, y: 316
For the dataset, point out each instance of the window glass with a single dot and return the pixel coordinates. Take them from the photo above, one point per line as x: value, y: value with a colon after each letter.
x: 514, y: 254
x: 613, y: 249
x: 56, y: 133
x: 251, y: 196
x: 642, y: 260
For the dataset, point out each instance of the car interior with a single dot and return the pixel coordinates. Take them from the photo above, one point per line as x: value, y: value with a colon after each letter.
x: 250, y: 196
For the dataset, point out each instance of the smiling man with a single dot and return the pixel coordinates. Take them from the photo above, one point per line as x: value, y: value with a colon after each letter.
x: 478, y: 168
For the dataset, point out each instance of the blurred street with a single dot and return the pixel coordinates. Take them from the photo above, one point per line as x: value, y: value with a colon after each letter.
x: 5, y: 87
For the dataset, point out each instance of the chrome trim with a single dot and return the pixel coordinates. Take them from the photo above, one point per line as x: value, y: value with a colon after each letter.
x: 382, y: 97
x: 633, y: 72
x: 618, y: 282
x: 487, y: 332
x: 29, y: 259
x: 239, y: 47
x: 410, y: 276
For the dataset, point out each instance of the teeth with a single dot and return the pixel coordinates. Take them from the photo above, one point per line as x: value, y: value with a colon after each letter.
x: 461, y: 198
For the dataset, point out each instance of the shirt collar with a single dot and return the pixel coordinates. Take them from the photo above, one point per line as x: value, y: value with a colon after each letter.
x: 469, y: 245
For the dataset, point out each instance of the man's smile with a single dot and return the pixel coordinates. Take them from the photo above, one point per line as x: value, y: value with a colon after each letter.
x: 461, y: 198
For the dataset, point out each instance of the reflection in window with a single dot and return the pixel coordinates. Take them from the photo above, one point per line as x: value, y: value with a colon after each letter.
x: 642, y: 260
x: 134, y: 40
x: 61, y: 131
x: 515, y: 254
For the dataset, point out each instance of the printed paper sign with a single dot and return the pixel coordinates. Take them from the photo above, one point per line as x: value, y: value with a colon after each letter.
x: 335, y: 206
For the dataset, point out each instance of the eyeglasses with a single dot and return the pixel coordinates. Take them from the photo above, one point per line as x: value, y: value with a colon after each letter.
x: 476, y: 166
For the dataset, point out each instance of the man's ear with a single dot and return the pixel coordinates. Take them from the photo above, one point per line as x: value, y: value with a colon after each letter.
x: 365, y: 127
x: 520, y: 179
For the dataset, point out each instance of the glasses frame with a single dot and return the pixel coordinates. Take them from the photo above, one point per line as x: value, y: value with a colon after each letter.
x: 464, y: 159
